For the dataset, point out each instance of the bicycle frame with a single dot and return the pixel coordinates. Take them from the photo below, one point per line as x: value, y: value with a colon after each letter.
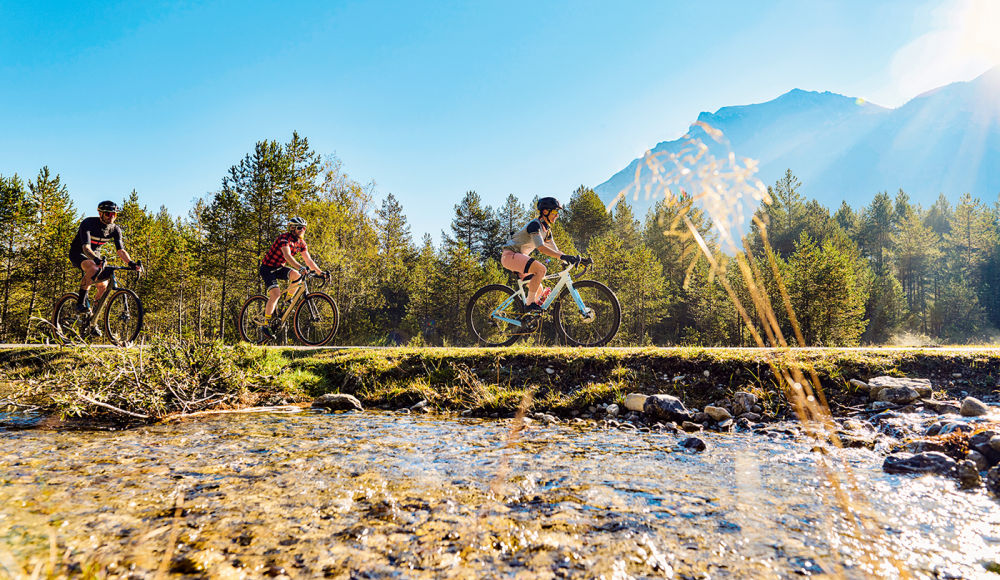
x: 112, y: 286
x: 300, y: 291
x: 564, y: 282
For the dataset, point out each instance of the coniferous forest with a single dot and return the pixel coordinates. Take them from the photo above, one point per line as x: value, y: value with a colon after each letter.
x: 892, y: 272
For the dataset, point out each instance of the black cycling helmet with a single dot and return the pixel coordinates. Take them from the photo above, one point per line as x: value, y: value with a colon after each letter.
x: 549, y: 204
x: 108, y: 205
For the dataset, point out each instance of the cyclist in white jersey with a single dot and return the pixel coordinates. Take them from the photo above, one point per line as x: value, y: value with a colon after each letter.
x: 536, y: 235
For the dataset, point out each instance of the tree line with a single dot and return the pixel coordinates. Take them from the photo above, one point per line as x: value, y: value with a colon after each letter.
x: 854, y: 277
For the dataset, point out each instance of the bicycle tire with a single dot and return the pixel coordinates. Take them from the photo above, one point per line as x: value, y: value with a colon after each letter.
x: 65, y: 319
x: 607, y: 315
x: 486, y: 330
x: 317, y: 324
x: 123, y: 316
x: 251, y: 318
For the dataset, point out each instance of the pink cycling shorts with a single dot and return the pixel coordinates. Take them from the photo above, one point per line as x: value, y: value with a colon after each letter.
x: 515, y: 262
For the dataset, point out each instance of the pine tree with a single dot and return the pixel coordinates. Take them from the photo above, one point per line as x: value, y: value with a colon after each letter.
x: 512, y: 216
x: 13, y: 217
x: 477, y: 228
x: 917, y: 249
x: 396, y: 256
x: 586, y: 217
x: 972, y: 239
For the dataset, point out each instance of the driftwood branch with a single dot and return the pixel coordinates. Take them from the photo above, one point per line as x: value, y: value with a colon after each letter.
x: 279, y: 409
x: 107, y: 406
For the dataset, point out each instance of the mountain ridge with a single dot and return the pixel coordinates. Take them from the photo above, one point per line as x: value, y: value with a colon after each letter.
x: 845, y: 148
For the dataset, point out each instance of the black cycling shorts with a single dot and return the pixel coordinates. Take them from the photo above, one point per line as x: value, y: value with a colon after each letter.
x: 79, y: 259
x: 272, y: 274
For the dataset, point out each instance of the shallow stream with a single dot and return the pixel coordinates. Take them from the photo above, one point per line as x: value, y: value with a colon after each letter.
x: 380, y: 495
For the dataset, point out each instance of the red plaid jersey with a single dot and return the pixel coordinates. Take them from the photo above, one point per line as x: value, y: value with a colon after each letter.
x: 275, y: 258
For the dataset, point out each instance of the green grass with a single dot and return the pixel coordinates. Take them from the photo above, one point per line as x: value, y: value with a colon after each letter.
x: 485, y: 380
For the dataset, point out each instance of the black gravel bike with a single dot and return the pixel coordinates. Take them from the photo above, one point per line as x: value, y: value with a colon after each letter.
x: 587, y: 313
x: 314, y: 315
x: 121, y: 309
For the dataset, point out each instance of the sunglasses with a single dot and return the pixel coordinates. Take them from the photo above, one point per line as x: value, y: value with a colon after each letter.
x: 110, y: 213
x: 299, y: 228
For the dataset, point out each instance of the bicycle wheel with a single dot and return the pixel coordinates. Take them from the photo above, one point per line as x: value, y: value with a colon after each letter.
x: 123, y: 317
x: 316, y: 319
x: 252, y: 319
x: 68, y: 323
x: 487, y: 330
x: 599, y: 324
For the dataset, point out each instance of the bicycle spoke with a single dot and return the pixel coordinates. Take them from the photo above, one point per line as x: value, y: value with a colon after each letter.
x: 598, y: 323
x: 485, y: 322
x: 316, y: 319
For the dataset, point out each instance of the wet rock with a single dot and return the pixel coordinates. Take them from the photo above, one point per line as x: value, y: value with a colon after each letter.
x: 941, y: 407
x: 879, y: 405
x: 995, y: 442
x: 752, y: 417
x: 701, y: 418
x: 717, y: 413
x: 860, y: 385
x: 993, y: 480
x: 420, y: 405
x: 853, y: 425
x: 725, y: 424
x: 743, y: 402
x: 337, y: 402
x: 635, y: 402
x: 921, y: 463
x: 953, y: 427
x: 690, y: 427
x: 693, y: 444
x: 977, y: 459
x: 968, y: 475
x: 404, y: 411
x: 666, y: 407
x: 921, y: 386
x: 981, y: 443
x: 973, y: 407
x: 885, y: 416
x: 856, y: 442
x: 933, y: 430
x: 612, y: 410
x: 924, y: 446
x: 898, y: 395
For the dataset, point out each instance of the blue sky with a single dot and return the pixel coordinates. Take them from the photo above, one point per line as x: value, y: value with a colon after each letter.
x: 432, y: 101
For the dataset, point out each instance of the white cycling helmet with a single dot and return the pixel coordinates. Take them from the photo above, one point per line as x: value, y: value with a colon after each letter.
x: 296, y: 222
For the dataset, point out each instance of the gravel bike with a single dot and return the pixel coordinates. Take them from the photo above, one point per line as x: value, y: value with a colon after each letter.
x: 121, y: 307
x: 314, y: 315
x: 587, y: 313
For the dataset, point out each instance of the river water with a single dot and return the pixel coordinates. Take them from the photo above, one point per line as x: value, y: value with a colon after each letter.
x: 380, y: 495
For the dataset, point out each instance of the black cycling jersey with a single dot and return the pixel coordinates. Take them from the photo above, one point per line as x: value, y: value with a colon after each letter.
x: 96, y: 233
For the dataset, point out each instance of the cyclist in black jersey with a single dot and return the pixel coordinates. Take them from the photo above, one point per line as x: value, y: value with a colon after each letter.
x: 85, y: 251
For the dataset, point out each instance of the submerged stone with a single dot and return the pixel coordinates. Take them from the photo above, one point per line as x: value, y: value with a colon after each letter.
x: 993, y: 480
x: 968, y: 475
x: 337, y: 402
x: 941, y: 407
x: 898, y: 395
x: 693, y: 444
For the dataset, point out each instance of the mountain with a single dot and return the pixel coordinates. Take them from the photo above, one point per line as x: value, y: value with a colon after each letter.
x: 841, y: 148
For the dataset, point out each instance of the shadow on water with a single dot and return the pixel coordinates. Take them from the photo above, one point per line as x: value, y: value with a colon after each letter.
x: 384, y: 495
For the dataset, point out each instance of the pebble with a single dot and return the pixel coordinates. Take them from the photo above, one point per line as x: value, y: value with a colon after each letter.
x: 612, y: 410
x: 550, y: 370
x: 968, y: 475
x: 690, y: 427
x: 743, y: 402
x: 420, y: 405
x: 995, y: 442
x: 635, y: 401
x: 752, y: 417
x: 921, y: 463
x: 973, y: 407
x: 717, y: 413
x: 725, y: 424
x: 898, y: 395
x: 693, y: 444
x: 860, y: 385
x: 942, y: 407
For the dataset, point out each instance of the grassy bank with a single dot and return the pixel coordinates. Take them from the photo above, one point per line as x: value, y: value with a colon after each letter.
x: 177, y: 378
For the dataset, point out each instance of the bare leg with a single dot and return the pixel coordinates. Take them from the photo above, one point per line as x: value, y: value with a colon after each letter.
x: 538, y: 269
x: 272, y: 300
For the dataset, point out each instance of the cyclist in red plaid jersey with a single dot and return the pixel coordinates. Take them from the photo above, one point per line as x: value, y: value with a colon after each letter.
x: 275, y: 266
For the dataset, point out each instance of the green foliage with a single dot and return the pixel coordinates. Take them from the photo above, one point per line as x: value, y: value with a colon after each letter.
x: 586, y: 217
